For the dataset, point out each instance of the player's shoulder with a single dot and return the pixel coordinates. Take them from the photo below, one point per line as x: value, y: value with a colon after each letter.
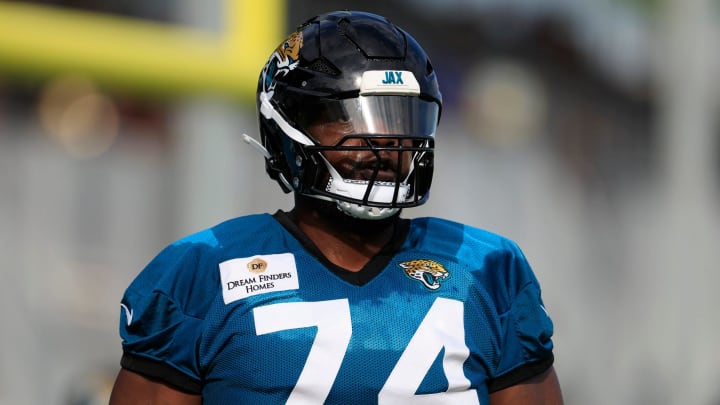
x: 433, y: 231
x: 206, y: 248
x: 192, y: 261
x: 479, y: 251
x: 493, y: 261
x: 235, y: 231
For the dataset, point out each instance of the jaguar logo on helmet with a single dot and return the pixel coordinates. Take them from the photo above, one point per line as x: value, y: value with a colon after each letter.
x: 429, y: 272
x: 283, y: 60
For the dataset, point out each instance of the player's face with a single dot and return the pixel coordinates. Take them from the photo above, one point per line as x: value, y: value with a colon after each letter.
x: 361, y: 164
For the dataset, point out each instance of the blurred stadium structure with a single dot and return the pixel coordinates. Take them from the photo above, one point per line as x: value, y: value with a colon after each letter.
x: 583, y: 129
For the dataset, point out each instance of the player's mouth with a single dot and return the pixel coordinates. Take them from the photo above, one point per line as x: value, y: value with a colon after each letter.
x: 383, y: 170
x: 388, y: 175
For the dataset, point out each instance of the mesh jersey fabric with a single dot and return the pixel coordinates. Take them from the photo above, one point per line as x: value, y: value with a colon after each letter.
x: 244, y: 311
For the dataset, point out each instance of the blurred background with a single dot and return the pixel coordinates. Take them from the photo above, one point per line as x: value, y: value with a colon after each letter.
x: 585, y: 130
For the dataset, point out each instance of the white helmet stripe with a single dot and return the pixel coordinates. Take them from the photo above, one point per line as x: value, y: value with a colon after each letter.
x: 269, y: 112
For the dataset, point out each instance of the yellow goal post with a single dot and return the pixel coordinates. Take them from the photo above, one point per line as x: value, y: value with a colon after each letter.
x: 140, y: 55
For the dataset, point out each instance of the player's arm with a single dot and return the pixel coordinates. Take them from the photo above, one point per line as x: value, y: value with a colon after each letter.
x: 133, y: 388
x: 543, y: 389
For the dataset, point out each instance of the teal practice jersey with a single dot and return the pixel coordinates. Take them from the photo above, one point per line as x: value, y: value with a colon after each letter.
x: 249, y: 311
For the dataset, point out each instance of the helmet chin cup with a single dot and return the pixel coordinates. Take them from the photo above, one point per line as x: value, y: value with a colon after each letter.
x: 364, y: 211
x: 380, y: 192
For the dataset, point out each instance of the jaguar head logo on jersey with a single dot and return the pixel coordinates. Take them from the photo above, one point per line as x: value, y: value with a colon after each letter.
x: 428, y: 272
x: 284, y: 59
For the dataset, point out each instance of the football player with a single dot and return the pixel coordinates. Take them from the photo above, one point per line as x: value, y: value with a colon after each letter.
x: 340, y: 300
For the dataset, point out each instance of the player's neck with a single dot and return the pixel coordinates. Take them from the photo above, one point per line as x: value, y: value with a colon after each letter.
x: 346, y: 242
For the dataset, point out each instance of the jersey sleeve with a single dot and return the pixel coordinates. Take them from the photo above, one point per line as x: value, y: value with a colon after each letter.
x: 161, y: 320
x: 526, y: 326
